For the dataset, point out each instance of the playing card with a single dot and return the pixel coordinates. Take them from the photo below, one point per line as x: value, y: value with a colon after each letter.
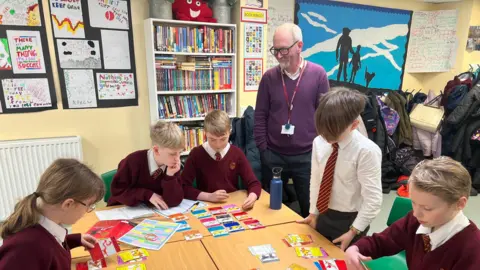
x: 218, y: 231
x: 201, y: 213
x: 183, y: 226
x: 134, y: 255
x: 140, y: 266
x: 333, y: 264
x: 266, y: 253
x: 192, y: 235
x: 297, y: 240
x: 91, y: 265
x: 233, y: 226
x: 241, y: 216
x: 295, y: 266
x: 178, y: 217
x: 104, y: 248
x: 253, y: 224
x: 310, y: 252
x: 217, y: 210
x: 231, y: 208
x: 224, y: 218
x: 210, y: 222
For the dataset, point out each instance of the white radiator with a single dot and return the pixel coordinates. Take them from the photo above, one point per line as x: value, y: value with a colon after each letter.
x: 23, y: 161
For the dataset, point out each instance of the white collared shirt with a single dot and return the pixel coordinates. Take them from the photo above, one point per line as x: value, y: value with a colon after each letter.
x: 357, y: 184
x: 446, y: 231
x: 152, y: 164
x: 212, y: 152
x: 295, y: 75
x: 56, y: 230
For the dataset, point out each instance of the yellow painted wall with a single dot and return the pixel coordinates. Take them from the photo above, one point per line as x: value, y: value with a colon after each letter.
x: 472, y: 57
x: 108, y: 134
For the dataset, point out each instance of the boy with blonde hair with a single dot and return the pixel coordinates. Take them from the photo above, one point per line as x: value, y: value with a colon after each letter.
x: 345, y: 185
x: 152, y: 175
x: 436, y: 234
x: 216, y: 165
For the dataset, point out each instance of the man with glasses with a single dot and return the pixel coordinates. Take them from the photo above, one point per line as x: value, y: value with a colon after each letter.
x: 287, y: 98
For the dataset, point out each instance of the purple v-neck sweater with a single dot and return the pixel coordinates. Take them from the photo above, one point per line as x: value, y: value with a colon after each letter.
x: 271, y: 110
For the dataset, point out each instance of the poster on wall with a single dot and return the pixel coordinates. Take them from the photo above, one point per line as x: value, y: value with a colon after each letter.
x: 26, y: 93
x: 254, y: 40
x: 254, y: 15
x: 116, y: 51
x: 112, y: 14
x: 360, y: 46
x: 278, y: 14
x: 20, y: 12
x: 254, y: 3
x: 80, y: 88
x: 253, y: 74
x: 26, y: 52
x: 5, y: 59
x: 75, y: 53
x: 67, y: 19
x: 473, y: 41
x: 115, y: 86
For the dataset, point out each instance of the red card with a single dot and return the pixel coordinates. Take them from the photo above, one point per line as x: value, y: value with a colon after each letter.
x: 333, y: 264
x: 110, y: 228
x: 91, y: 265
x: 104, y: 248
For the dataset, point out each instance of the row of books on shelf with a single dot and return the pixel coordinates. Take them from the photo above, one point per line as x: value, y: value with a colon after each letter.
x: 194, y: 136
x: 202, y: 39
x: 179, y: 107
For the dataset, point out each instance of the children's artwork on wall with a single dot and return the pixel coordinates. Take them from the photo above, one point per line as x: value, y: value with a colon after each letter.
x: 26, y: 52
x: 112, y: 14
x: 359, y: 46
x: 254, y: 40
x: 116, y: 52
x: 253, y: 74
x: 5, y: 59
x: 254, y: 3
x: 20, y: 12
x: 473, y: 42
x: 79, y: 53
x: 80, y: 88
x: 115, y: 86
x: 67, y: 19
x: 26, y: 93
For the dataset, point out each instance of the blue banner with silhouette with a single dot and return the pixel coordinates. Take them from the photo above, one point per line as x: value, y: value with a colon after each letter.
x: 359, y: 46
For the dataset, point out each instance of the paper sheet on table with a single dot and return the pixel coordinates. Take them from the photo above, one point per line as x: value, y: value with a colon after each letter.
x: 183, y: 207
x: 126, y: 212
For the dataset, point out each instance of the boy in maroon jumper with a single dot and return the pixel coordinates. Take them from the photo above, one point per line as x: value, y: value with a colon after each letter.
x: 216, y: 166
x: 436, y: 235
x: 152, y: 175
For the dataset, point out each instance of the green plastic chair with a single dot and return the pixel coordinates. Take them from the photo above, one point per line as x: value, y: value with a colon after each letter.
x: 400, y: 208
x: 107, y: 180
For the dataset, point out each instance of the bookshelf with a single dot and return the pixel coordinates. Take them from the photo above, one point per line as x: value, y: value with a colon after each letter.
x: 191, y: 69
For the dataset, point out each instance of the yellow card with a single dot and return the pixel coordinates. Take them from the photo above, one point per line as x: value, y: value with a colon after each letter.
x: 134, y: 254
x: 140, y: 266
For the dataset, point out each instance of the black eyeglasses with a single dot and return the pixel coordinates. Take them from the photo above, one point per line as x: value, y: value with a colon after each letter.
x: 282, y: 51
x: 89, y: 208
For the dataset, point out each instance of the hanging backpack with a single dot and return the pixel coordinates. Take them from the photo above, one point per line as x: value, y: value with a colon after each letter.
x: 374, y: 122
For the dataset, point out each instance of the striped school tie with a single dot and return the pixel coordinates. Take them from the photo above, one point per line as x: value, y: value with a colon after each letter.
x: 218, y: 157
x: 427, y: 245
x: 157, y: 173
x: 327, y: 181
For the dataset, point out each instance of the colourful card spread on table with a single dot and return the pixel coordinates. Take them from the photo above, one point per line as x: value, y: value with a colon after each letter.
x: 150, y: 234
x: 192, y: 235
x: 201, y: 213
x: 210, y: 222
x: 233, y: 226
x: 178, y: 217
x: 134, y: 255
x: 183, y: 226
x: 110, y: 228
x: 217, y: 210
x: 333, y: 264
x: 295, y: 266
x: 241, y: 216
x: 218, y: 231
x: 253, y: 224
x: 104, y: 248
x: 297, y: 240
x: 224, y: 218
x: 231, y: 208
x: 140, y: 266
x: 91, y: 265
x: 266, y: 253
x: 311, y: 252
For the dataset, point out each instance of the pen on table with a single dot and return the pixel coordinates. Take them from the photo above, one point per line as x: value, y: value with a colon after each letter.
x: 194, y: 206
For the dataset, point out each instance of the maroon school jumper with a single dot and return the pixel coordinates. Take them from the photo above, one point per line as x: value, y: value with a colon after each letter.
x: 461, y: 252
x: 35, y: 248
x: 133, y: 184
x: 212, y: 175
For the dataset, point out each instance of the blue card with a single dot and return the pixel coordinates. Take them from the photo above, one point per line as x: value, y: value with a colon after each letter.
x: 183, y: 226
x: 218, y: 231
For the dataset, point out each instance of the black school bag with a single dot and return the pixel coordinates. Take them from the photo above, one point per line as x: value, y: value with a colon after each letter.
x: 372, y: 118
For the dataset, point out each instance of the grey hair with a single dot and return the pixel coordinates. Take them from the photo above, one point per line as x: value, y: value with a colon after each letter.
x: 292, y: 28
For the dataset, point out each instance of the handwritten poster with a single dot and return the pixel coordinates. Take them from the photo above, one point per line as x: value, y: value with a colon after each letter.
x: 112, y: 14
x: 75, y: 53
x: 253, y: 40
x: 67, y: 18
x: 116, y: 50
x: 20, y: 12
x: 26, y: 93
x: 5, y: 60
x: 115, y: 86
x: 80, y: 88
x: 433, y: 42
x: 253, y: 74
x: 26, y: 51
x: 278, y: 14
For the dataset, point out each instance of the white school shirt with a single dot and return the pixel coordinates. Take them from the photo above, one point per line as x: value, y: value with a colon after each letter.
x: 56, y: 230
x: 152, y: 164
x: 211, y: 152
x: 447, y: 231
x: 357, y: 183
x: 295, y: 75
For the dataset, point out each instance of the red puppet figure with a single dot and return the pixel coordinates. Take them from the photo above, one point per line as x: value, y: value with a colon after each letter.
x: 192, y: 10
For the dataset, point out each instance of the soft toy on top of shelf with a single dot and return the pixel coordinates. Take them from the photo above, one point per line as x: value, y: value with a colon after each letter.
x: 192, y: 10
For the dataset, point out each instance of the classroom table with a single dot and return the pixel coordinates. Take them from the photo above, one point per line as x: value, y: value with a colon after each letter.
x: 172, y: 256
x: 231, y: 252
x: 261, y: 211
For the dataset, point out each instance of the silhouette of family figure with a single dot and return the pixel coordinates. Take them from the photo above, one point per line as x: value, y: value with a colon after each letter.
x: 344, y: 48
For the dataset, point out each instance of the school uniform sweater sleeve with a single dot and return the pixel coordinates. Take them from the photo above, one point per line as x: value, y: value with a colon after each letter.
x: 16, y: 257
x: 262, y: 110
x: 172, y: 189
x: 188, y: 176
x: 249, y: 179
x: 74, y: 240
x: 124, y: 187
